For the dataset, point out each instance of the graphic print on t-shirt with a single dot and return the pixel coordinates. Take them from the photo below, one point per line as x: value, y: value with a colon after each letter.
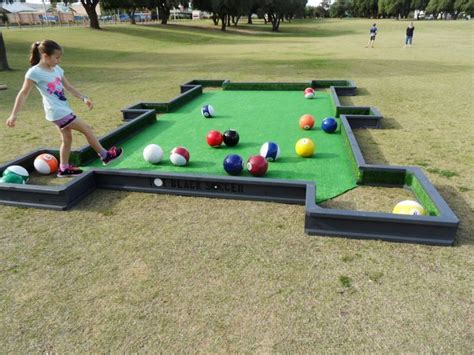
x: 56, y: 88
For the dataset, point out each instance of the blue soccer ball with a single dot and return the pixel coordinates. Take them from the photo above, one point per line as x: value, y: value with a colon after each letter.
x: 270, y: 151
x: 329, y: 125
x: 207, y: 111
x: 233, y: 164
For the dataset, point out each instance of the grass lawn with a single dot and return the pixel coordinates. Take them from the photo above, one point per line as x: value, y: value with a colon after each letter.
x: 129, y: 272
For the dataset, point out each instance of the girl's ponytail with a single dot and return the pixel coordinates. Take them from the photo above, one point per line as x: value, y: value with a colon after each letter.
x: 35, y: 55
x: 47, y: 47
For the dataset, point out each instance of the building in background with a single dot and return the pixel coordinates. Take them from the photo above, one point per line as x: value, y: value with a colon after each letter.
x: 41, y: 12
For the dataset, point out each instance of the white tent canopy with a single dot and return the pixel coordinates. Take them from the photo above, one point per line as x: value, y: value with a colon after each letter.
x: 17, y: 7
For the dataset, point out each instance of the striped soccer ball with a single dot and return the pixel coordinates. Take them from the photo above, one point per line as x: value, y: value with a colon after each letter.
x: 15, y: 174
x: 270, y: 151
x: 207, y: 111
x: 46, y: 164
x: 409, y: 207
x: 179, y: 156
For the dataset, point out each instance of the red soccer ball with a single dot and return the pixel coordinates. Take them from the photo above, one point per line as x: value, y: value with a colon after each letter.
x: 214, y: 138
x: 309, y: 93
x: 257, y: 165
x: 179, y: 156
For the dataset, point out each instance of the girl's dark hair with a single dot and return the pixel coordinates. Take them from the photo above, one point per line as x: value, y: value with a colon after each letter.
x: 47, y: 46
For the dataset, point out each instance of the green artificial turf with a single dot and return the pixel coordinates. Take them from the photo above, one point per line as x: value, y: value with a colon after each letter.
x: 258, y: 116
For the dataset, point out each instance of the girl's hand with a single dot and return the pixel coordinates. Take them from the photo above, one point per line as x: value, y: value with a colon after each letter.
x: 88, y: 103
x: 11, y: 121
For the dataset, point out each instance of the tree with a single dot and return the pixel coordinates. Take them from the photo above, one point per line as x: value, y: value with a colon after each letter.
x: 341, y: 8
x: 89, y: 6
x: 464, y: 6
x: 432, y: 8
x: 365, y: 8
x: 227, y: 10
x: 323, y: 8
x: 129, y: 6
x: 253, y: 9
x: 444, y: 7
x: 224, y: 10
x: 277, y: 10
x: 398, y: 8
x: 419, y: 5
x: 164, y: 7
x: 3, y: 49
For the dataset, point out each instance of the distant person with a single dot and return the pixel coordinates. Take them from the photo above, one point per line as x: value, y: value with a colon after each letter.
x: 373, y: 33
x: 409, y: 35
x: 49, y: 79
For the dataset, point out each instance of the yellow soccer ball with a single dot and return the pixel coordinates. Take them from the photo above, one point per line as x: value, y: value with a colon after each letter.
x: 305, y: 147
x: 409, y: 207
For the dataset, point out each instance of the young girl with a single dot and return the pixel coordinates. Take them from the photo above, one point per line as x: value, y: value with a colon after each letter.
x: 49, y: 79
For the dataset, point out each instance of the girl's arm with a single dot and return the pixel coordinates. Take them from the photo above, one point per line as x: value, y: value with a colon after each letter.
x: 77, y: 94
x: 20, y: 101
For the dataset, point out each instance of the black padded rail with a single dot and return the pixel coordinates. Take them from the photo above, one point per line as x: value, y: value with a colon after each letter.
x: 438, y: 230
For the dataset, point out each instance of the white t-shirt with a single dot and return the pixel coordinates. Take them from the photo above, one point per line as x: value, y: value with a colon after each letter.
x: 50, y: 86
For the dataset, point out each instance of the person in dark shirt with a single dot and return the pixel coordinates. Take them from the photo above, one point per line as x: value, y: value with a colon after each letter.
x: 409, y: 35
x: 373, y: 33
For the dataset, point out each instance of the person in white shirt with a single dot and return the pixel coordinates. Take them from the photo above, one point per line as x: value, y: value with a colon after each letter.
x: 48, y: 77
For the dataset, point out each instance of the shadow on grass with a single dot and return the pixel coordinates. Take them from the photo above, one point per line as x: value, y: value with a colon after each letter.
x: 265, y: 30
x: 390, y: 123
x: 179, y: 34
x: 101, y: 201
x: 370, y: 149
x: 339, y: 205
x: 462, y: 210
x: 361, y: 92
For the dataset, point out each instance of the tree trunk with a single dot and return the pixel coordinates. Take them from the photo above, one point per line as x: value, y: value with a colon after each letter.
x: 131, y: 14
x: 3, y: 54
x: 249, y: 19
x: 215, y: 19
x: 164, y: 14
x: 89, y: 6
x: 228, y: 20
x: 223, y: 21
x: 236, y: 20
x: 275, y: 23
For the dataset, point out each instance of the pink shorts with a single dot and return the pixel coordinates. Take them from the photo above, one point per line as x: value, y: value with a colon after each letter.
x: 65, y: 121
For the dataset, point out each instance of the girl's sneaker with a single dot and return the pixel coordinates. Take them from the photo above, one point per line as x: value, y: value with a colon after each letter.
x: 112, y: 154
x: 70, y: 171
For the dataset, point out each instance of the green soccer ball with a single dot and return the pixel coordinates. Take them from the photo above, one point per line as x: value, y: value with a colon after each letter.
x: 12, y: 179
x: 15, y: 174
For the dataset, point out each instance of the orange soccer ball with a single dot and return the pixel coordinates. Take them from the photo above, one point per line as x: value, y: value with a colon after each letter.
x: 46, y: 164
x: 307, y: 121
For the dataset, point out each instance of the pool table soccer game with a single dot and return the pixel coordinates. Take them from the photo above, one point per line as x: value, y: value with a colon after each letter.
x: 277, y: 142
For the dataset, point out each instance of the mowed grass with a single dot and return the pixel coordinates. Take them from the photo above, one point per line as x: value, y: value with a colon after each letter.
x: 130, y: 272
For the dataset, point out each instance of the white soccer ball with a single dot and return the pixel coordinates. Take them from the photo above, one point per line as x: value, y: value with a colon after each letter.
x: 153, y: 153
